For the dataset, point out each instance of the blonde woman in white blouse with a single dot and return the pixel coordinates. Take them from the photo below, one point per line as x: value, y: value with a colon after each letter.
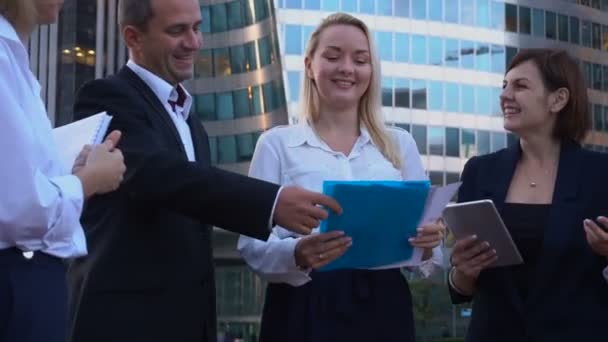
x: 40, y: 201
x: 341, y: 137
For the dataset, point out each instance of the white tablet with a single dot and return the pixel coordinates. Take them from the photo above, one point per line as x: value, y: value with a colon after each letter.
x: 482, y: 219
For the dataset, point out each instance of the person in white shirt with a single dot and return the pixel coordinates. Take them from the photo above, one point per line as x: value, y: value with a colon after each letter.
x: 40, y: 201
x: 341, y: 137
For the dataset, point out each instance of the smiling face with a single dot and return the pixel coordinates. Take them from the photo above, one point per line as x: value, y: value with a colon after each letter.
x: 528, y: 106
x: 340, y: 67
x: 171, y: 40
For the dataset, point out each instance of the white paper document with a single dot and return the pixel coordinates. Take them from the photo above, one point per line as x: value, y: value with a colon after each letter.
x: 71, y: 138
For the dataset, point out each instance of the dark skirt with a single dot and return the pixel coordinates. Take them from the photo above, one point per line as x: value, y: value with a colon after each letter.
x: 343, y: 305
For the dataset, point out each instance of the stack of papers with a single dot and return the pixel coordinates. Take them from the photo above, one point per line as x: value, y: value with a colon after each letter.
x: 71, y: 138
x: 380, y: 217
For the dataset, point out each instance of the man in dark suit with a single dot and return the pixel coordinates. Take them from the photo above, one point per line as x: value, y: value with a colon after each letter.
x: 149, y: 273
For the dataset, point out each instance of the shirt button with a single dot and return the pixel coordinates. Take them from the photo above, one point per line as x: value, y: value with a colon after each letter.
x: 28, y: 255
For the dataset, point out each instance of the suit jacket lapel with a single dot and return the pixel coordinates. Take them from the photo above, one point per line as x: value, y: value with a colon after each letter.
x: 561, y: 224
x: 159, y: 112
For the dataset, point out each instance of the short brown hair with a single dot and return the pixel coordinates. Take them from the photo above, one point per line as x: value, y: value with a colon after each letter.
x: 21, y: 14
x: 559, y: 70
x: 135, y: 13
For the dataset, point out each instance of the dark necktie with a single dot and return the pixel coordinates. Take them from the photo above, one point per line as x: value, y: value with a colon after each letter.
x: 181, y: 98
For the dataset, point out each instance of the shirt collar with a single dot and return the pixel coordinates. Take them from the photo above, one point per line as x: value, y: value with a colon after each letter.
x: 305, y: 134
x: 8, y: 31
x: 161, y: 88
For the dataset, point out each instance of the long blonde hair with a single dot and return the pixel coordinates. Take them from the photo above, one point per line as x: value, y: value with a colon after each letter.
x: 21, y: 14
x: 369, y: 109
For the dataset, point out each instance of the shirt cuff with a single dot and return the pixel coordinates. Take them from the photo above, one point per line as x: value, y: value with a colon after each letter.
x: 274, y: 205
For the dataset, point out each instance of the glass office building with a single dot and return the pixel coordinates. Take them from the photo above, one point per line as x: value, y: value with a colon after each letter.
x: 443, y: 63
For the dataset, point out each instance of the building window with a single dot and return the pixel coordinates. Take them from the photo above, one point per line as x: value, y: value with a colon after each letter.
x: 206, y: 19
x: 366, y: 6
x: 435, y: 96
x: 419, y: 94
x: 511, y: 52
x: 511, y: 17
x: 204, y: 64
x: 452, y: 53
x: 219, y: 21
x: 226, y: 149
x: 575, y: 33
x: 586, y: 33
x: 331, y: 5
x: 562, y: 23
x: 213, y: 155
x: 538, y: 22
x: 482, y: 56
x: 435, y: 51
x: 436, y: 10
x: 402, y: 92
x: 467, y: 54
x: 224, y: 106
x: 419, y: 135
x: 436, y: 140
x: 419, y: 9
x: 266, y: 51
x: 242, y: 106
x: 293, y: 4
x: 498, y: 59
x: 384, y: 41
x: 349, y: 6
x: 221, y: 62
x: 384, y: 7
x: 436, y: 178
x: 605, y: 78
x: 597, y: 77
x: 484, y: 100
x: 468, y: 146
x: 312, y: 4
x: 238, y: 62
x: 550, y: 25
x: 467, y: 98
x: 235, y: 16
x: 604, y: 37
x: 597, y: 36
x: 293, y: 39
x: 499, y: 141
x: 483, y: 13
x: 402, y: 47
x: 270, y: 97
x: 293, y: 80
x: 419, y: 49
x: 498, y: 15
x: 258, y: 101
x: 403, y: 126
x: 452, y: 142
x: 467, y: 12
x: 205, y: 107
x: 452, y: 97
x: 245, y: 146
x: 451, y: 11
x: 525, y: 20
x: 387, y: 91
x: 483, y: 142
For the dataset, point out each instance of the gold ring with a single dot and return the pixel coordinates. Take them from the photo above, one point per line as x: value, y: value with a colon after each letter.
x: 321, y: 256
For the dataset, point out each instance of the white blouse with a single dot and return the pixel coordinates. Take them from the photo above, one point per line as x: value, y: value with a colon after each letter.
x: 295, y: 155
x: 40, y: 201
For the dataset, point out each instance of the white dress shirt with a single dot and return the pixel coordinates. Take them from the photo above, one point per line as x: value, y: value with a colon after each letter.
x: 40, y: 201
x: 165, y: 93
x: 295, y: 155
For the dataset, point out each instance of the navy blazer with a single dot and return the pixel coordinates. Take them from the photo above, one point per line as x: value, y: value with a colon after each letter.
x: 569, y: 298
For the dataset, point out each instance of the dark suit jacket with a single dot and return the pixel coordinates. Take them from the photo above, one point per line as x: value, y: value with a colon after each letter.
x: 149, y: 272
x: 569, y: 300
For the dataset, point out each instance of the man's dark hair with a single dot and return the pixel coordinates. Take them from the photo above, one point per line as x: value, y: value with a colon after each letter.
x: 135, y: 13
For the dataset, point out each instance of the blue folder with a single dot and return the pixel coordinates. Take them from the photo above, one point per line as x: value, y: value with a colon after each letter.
x: 380, y: 217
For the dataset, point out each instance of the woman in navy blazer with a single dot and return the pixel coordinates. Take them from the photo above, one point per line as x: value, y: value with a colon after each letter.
x: 545, y: 187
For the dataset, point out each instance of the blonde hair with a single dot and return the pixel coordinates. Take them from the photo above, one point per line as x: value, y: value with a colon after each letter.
x: 21, y: 14
x: 369, y: 109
